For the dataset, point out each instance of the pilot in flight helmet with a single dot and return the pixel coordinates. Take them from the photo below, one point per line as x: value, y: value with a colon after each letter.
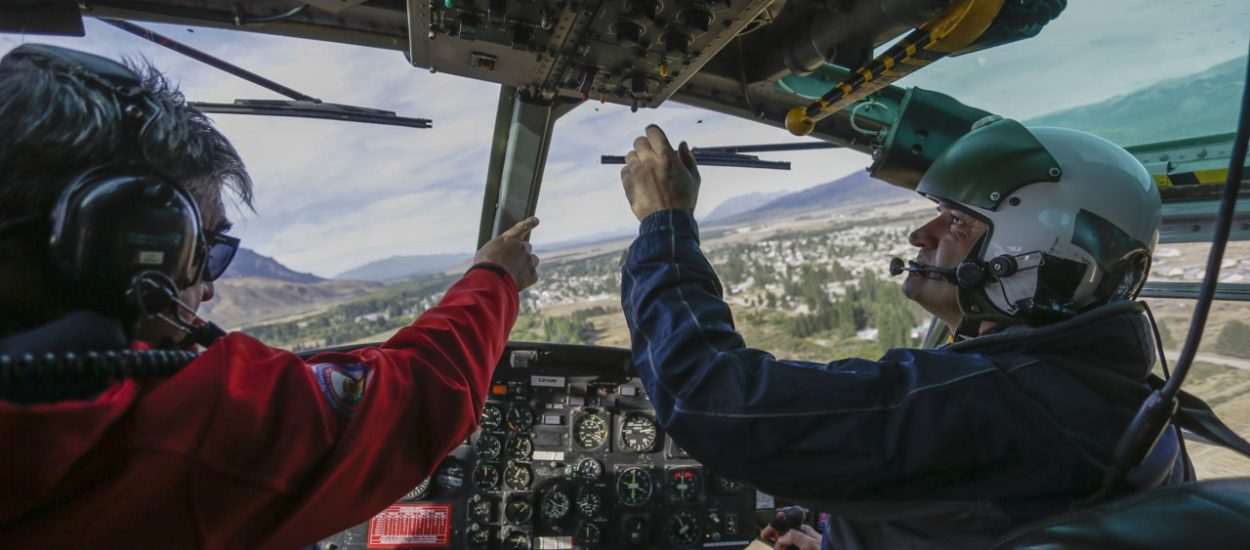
x: 1073, y: 221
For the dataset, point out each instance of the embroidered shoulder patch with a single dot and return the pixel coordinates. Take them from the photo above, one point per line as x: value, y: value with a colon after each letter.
x: 342, y: 385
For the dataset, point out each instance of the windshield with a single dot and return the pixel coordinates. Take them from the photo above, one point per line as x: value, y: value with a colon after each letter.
x: 1132, y: 71
x: 359, y: 228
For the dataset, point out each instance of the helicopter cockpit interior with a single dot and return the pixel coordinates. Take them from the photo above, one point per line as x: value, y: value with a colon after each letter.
x: 568, y: 453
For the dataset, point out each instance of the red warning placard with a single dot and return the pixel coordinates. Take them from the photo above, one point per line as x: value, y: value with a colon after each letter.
x: 411, y: 526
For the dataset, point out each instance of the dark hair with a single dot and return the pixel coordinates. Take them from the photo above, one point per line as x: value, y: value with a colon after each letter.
x: 54, y: 126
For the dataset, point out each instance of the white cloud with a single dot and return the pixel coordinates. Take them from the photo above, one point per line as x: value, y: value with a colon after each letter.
x: 331, y: 195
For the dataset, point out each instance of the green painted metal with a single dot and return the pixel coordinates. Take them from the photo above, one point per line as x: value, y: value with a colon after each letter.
x: 926, y: 124
x: 988, y: 164
x: 813, y: 86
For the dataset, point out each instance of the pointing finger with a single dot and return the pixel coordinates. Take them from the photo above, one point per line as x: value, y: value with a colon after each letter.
x: 522, y: 229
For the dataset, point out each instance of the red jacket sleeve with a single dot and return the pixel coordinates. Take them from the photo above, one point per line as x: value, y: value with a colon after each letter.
x: 342, y: 436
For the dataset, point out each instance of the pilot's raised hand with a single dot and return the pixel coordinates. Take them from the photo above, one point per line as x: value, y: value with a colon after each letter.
x: 802, y: 538
x: 512, y: 251
x: 658, y: 178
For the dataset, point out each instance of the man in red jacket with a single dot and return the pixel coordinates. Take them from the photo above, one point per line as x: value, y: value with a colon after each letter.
x: 244, y: 446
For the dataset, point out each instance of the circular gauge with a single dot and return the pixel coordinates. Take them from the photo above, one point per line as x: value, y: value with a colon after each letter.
x: 479, y: 538
x: 633, y: 486
x: 683, y: 484
x: 589, y: 503
x: 480, y: 508
x: 728, y: 486
x: 590, y: 469
x: 492, y: 417
x: 516, y: 540
x: 588, y: 537
x: 556, y: 505
x: 486, y: 476
x: 591, y: 431
x: 450, y: 476
x: 520, y: 447
x: 518, y: 510
x: 639, y: 433
x: 419, y: 491
x: 488, y: 447
x: 520, y: 418
x: 634, y: 530
x: 683, y: 528
x: 518, y: 477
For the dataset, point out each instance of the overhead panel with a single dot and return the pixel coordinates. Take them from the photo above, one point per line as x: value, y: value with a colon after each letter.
x: 634, y: 52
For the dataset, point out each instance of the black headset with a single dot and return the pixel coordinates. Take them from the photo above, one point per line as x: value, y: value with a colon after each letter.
x: 118, y: 228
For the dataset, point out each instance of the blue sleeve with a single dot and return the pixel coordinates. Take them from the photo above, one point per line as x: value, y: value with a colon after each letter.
x: 913, y: 424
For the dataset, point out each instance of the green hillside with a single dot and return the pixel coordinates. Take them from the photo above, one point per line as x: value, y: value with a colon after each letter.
x: 1200, y: 104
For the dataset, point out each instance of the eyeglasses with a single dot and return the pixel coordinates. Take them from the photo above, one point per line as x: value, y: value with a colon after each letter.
x: 221, y: 250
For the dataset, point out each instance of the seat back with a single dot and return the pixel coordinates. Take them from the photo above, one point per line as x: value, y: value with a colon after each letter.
x: 1209, y: 514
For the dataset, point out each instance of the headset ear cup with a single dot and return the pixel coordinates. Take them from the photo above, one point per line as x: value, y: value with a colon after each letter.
x: 110, y: 225
x: 970, y: 274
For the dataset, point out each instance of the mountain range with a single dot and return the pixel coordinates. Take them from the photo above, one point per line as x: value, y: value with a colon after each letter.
x: 397, y: 268
x: 1195, y: 105
x: 855, y: 188
x: 249, y: 263
x: 257, y: 288
x: 741, y: 203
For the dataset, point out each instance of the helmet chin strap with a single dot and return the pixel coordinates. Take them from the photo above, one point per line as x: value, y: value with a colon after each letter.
x: 154, y: 295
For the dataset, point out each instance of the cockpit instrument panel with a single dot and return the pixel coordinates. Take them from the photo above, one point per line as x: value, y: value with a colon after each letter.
x: 568, y: 455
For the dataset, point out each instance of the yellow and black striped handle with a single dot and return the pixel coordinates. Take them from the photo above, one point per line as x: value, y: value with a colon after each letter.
x: 956, y: 27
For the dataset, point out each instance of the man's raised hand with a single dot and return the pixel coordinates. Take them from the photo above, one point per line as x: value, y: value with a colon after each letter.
x: 658, y: 178
x: 512, y: 251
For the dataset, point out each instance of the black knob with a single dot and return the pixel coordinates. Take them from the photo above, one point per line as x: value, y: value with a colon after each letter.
x: 1004, y: 266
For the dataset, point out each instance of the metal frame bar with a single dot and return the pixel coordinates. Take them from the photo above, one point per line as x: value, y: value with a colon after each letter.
x: 1193, y: 221
x: 524, y: 157
x: 494, y: 171
x: 1231, y: 292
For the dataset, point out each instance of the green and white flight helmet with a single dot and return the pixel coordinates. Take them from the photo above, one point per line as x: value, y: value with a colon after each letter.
x: 1073, y: 220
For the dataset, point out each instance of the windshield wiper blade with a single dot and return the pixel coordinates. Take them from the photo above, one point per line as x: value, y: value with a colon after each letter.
x: 717, y: 159
x: 300, y: 105
x: 309, y: 109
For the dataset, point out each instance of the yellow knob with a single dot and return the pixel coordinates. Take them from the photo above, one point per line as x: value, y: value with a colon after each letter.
x: 798, y: 123
x: 663, y: 70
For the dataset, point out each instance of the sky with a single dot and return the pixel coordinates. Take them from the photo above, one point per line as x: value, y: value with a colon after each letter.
x: 331, y: 196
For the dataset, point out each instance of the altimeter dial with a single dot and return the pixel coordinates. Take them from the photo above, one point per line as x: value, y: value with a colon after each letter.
x: 518, y: 477
x: 556, y: 505
x: 487, y: 447
x: 520, y: 447
x: 492, y: 417
x: 486, y: 476
x: 589, y: 503
x: 591, y: 431
x: 520, y: 418
x: 639, y: 433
